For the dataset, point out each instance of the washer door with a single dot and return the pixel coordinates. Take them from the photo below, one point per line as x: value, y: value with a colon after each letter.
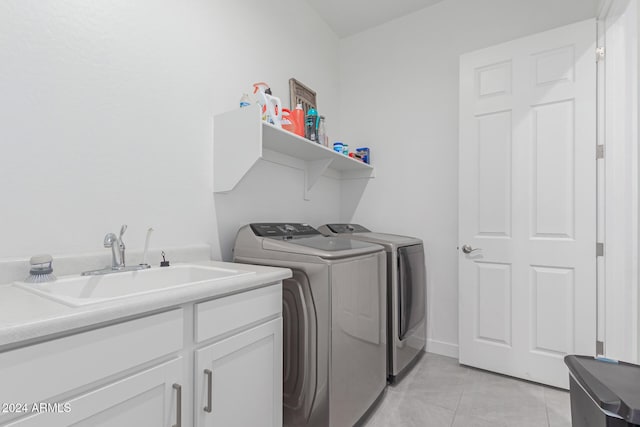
x: 299, y: 355
x: 411, y: 288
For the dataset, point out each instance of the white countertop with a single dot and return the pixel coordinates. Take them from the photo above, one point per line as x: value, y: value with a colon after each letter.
x: 26, y: 317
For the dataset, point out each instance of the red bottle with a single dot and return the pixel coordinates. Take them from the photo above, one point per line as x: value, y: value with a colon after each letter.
x: 297, y: 117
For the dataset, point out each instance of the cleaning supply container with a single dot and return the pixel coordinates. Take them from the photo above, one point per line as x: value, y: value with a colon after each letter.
x: 271, y: 105
x: 245, y: 100
x: 364, y: 154
x: 297, y: 116
x: 311, y: 125
x: 322, y: 132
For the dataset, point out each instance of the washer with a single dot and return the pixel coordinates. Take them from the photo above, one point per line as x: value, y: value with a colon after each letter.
x: 406, y: 293
x: 334, y: 320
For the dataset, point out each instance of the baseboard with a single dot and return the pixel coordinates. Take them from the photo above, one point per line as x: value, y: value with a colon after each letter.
x: 442, y: 348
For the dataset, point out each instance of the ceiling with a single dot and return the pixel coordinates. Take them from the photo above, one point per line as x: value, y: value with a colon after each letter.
x: 348, y: 17
x: 353, y: 16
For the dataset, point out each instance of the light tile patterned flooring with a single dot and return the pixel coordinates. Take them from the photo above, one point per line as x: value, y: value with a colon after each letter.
x: 439, y: 392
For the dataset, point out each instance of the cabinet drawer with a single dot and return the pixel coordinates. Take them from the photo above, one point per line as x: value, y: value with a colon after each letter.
x: 223, y: 315
x: 39, y: 372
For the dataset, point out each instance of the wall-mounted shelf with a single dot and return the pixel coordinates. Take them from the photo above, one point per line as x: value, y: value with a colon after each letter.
x: 241, y: 138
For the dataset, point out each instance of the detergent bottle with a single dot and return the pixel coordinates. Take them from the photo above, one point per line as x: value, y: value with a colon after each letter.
x: 271, y: 105
x: 274, y: 108
x: 297, y: 116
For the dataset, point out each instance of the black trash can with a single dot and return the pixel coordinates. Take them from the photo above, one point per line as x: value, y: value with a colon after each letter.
x: 603, y: 393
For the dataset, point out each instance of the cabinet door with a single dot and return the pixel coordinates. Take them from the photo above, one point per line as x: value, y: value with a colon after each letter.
x: 239, y: 380
x: 145, y: 399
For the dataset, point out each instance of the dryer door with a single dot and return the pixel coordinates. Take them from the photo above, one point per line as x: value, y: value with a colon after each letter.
x: 411, y: 288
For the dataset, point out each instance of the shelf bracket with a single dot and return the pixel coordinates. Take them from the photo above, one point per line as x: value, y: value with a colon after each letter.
x: 313, y: 170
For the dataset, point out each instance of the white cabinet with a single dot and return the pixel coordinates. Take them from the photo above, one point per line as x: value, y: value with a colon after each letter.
x: 146, y: 399
x: 241, y: 138
x: 140, y: 372
x: 239, y: 379
x: 60, y: 370
x: 238, y: 367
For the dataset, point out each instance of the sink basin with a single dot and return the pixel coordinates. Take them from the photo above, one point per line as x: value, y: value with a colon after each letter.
x: 77, y: 291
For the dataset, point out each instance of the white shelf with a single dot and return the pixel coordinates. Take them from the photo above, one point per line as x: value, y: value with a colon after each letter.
x: 241, y: 138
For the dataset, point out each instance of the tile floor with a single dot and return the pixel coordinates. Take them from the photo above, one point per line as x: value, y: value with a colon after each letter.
x: 439, y: 392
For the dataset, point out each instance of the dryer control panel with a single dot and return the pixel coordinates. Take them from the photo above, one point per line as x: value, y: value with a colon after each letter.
x: 347, y: 228
x: 283, y: 230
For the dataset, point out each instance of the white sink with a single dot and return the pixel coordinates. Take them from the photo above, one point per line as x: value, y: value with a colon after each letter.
x: 83, y: 290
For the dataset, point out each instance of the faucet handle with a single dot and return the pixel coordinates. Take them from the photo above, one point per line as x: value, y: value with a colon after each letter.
x: 122, y: 230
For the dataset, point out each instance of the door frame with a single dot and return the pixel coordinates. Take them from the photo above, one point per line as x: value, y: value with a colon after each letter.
x: 618, y: 223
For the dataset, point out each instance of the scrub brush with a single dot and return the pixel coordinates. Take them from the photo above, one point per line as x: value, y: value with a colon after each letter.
x: 41, y: 269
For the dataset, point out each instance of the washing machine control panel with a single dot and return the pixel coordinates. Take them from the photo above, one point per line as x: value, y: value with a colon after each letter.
x: 347, y: 228
x: 283, y: 230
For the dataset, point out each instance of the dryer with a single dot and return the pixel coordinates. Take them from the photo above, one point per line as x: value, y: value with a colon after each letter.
x: 334, y: 320
x: 406, y: 278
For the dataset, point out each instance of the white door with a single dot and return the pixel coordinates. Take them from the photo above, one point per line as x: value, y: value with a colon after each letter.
x: 527, y: 296
x: 146, y: 399
x: 239, y: 379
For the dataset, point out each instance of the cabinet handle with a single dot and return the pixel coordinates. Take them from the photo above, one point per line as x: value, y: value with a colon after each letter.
x: 209, y: 375
x: 178, y: 389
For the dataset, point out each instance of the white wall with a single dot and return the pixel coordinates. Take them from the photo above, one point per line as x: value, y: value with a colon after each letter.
x: 399, y: 95
x: 276, y: 199
x: 106, y: 115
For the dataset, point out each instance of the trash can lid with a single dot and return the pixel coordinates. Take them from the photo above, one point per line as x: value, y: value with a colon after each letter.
x: 614, y: 386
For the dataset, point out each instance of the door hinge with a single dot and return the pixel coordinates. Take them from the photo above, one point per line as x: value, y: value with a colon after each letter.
x: 599, y: 348
x: 600, y: 54
x: 599, y: 151
x: 599, y: 249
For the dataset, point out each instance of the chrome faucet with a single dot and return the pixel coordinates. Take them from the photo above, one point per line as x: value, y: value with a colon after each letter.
x: 117, y: 255
x: 117, y: 248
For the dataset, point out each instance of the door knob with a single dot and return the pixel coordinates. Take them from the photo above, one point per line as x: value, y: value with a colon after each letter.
x: 467, y: 249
